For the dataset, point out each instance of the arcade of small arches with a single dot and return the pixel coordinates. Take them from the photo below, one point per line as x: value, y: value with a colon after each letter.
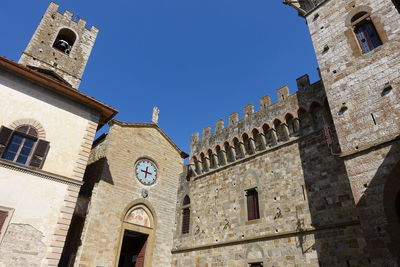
x: 259, y: 139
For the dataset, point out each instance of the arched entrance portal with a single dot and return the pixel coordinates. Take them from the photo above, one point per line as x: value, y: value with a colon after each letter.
x: 137, y: 238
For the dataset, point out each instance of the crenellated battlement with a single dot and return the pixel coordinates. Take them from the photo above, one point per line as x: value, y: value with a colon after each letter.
x: 53, y: 11
x: 269, y: 116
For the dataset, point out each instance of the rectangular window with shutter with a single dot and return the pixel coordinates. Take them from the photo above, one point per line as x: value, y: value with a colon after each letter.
x: 22, y: 146
x: 256, y: 264
x: 252, y: 204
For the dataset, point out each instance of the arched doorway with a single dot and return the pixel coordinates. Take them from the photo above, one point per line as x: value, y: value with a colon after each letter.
x: 137, y: 238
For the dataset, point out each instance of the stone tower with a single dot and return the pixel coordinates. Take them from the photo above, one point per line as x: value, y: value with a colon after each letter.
x: 61, y: 44
x: 357, y: 44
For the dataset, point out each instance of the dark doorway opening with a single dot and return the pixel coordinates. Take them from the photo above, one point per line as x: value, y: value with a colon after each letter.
x: 133, y: 249
x: 398, y: 206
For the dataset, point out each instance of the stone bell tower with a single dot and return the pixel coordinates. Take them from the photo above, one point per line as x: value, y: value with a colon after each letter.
x: 61, y: 44
x: 357, y: 44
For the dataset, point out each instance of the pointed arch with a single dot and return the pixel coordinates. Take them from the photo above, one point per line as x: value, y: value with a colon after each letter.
x: 204, y: 162
x: 292, y: 124
x: 258, y: 139
x: 230, y: 157
x: 185, y: 225
x: 247, y: 145
x: 221, y: 156
x: 238, y: 151
x: 210, y: 154
x: 317, y: 115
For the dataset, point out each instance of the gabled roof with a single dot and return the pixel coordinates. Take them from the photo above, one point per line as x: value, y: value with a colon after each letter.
x: 150, y: 125
x: 50, y: 74
x: 51, y: 84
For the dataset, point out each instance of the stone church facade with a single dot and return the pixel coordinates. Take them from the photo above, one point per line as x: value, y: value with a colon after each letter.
x: 311, y: 180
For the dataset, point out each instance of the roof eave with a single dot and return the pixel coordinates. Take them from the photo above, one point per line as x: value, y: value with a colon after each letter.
x: 106, y: 112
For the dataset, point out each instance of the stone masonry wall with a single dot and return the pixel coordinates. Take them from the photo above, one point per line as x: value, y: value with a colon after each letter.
x: 355, y: 80
x: 118, y: 188
x: 307, y: 214
x: 368, y: 86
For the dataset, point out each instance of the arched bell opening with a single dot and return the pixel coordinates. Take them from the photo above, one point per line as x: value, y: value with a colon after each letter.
x: 65, y: 40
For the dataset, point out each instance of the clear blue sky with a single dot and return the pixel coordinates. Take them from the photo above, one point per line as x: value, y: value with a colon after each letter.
x: 198, y: 61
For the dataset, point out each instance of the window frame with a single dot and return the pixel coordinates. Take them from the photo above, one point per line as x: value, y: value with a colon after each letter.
x: 357, y: 17
x: 185, y: 207
x: 4, y: 228
x: 359, y: 26
x: 257, y: 214
x: 38, y: 152
x: 24, y: 137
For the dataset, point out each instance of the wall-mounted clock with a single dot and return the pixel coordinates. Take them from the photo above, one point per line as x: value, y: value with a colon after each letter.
x: 146, y: 172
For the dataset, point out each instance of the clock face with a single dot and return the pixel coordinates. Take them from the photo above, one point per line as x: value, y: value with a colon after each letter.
x: 146, y: 172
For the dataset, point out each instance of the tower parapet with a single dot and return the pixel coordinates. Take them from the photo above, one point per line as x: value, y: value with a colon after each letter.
x: 268, y: 117
x: 61, y: 44
x: 304, y: 7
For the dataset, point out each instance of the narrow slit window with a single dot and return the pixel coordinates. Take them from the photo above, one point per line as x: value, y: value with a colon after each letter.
x: 186, y: 215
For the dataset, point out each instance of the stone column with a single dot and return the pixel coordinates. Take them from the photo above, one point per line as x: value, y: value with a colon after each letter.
x: 285, y: 131
x: 233, y: 152
x: 274, y: 137
x: 263, y: 141
x: 223, y: 160
x: 214, y: 160
x: 296, y: 126
x: 242, y: 149
x: 193, y: 168
x: 252, y: 144
x: 198, y: 167
x: 206, y: 164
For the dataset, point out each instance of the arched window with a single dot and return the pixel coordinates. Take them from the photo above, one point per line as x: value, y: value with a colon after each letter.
x: 197, y: 165
x: 246, y: 142
x: 212, y: 160
x: 238, y: 151
x: 220, y: 156
x: 280, y: 131
x: 65, y: 40
x: 305, y: 121
x: 269, y: 135
x: 257, y: 140
x: 23, y: 146
x: 317, y: 116
x: 204, y: 162
x: 292, y: 124
x: 365, y: 32
x: 229, y: 156
x: 186, y: 215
